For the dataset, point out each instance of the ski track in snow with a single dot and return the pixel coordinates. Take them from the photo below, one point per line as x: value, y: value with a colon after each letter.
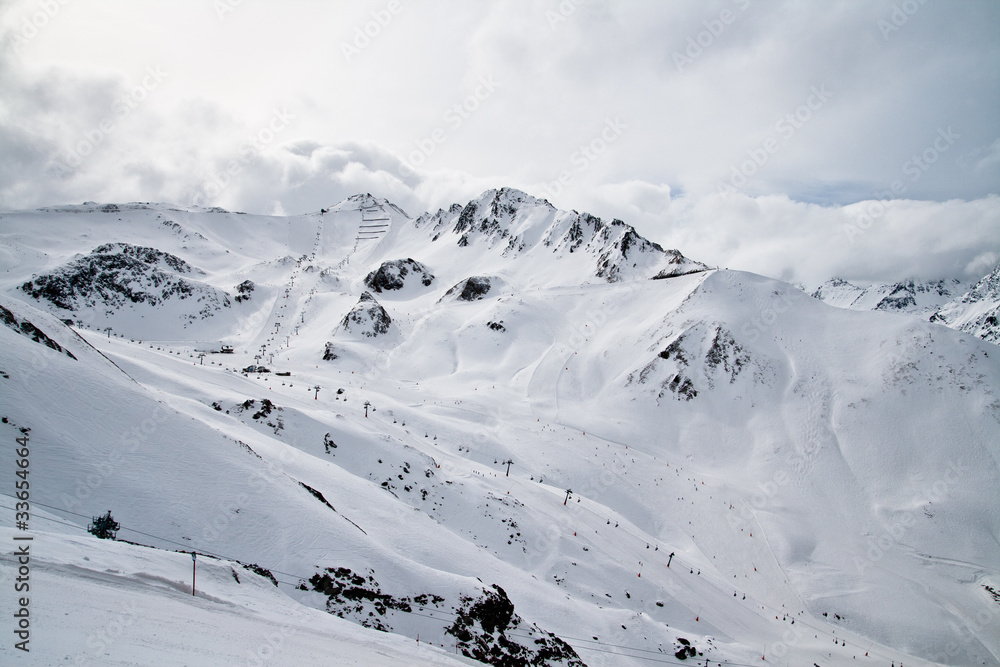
x: 798, y: 478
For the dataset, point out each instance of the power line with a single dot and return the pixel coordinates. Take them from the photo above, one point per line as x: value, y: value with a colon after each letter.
x: 157, y: 537
x: 300, y: 579
x: 440, y: 612
x: 43, y: 518
x: 720, y: 584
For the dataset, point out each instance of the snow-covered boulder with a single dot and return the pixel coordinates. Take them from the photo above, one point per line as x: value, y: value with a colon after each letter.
x: 475, y: 288
x: 398, y: 273
x: 367, y: 318
x: 117, y: 277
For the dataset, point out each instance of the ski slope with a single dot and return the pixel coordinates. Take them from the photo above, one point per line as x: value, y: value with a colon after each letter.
x: 825, y: 479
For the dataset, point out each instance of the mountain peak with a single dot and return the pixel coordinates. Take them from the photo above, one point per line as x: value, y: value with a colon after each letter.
x: 977, y: 311
x: 515, y: 223
x: 366, y: 203
x: 431, y: 396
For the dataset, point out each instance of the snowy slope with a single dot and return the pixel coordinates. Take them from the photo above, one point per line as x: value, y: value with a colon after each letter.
x: 824, y: 478
x: 977, y: 311
x: 119, y: 604
x: 908, y: 296
x: 968, y: 308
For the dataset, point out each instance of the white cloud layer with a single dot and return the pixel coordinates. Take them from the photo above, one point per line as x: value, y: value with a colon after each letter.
x: 637, y: 110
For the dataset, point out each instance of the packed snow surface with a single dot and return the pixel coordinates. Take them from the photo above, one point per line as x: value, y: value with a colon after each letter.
x: 604, y: 453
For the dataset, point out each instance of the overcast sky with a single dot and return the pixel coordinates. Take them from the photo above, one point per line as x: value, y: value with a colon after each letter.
x: 800, y: 140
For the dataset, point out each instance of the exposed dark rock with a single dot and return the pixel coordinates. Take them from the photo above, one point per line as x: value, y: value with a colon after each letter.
x: 481, y: 626
x: 117, y: 274
x: 679, y: 265
x: 359, y: 598
x: 678, y: 383
x: 262, y: 571
x: 683, y: 649
x: 675, y: 351
x: 682, y: 386
x: 263, y: 414
x: 617, y: 240
x: 498, y: 218
x: 244, y: 290
x: 317, y: 495
x: 726, y: 352
x: 368, y: 318
x: 392, y: 275
x: 26, y: 328
x: 969, y: 309
x: 471, y: 289
x: 485, y: 627
x: 489, y: 216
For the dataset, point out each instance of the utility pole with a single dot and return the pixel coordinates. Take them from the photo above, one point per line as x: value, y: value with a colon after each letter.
x: 568, y: 491
x: 508, y: 462
x: 367, y: 405
x: 202, y: 357
x: 194, y: 566
x: 108, y: 329
x: 670, y: 558
x: 316, y: 395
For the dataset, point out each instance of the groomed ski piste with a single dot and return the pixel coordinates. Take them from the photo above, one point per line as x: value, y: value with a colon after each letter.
x: 705, y: 466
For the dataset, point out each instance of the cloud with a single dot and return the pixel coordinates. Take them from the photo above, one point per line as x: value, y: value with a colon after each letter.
x: 701, y: 94
x: 867, y: 241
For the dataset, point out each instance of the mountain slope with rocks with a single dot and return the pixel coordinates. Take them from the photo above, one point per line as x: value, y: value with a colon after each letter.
x: 571, y: 446
x: 976, y: 312
x: 908, y: 296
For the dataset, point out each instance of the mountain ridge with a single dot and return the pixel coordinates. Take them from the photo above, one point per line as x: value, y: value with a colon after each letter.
x: 709, y: 456
x: 976, y: 312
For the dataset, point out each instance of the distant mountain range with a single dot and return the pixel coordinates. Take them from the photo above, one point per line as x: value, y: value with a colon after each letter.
x: 523, y: 435
x: 972, y: 308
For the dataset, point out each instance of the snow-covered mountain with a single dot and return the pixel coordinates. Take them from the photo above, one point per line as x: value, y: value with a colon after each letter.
x: 973, y: 309
x: 908, y: 296
x: 122, y: 281
x: 526, y: 435
x: 977, y: 311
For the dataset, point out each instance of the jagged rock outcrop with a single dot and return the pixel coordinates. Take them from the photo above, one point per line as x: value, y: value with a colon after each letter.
x: 474, y: 288
x: 115, y: 275
x: 26, y: 328
x: 513, y: 224
x: 907, y: 296
x: 244, y: 290
x: 977, y: 311
x: 367, y: 318
x: 703, y: 356
x: 486, y: 627
x: 396, y: 274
